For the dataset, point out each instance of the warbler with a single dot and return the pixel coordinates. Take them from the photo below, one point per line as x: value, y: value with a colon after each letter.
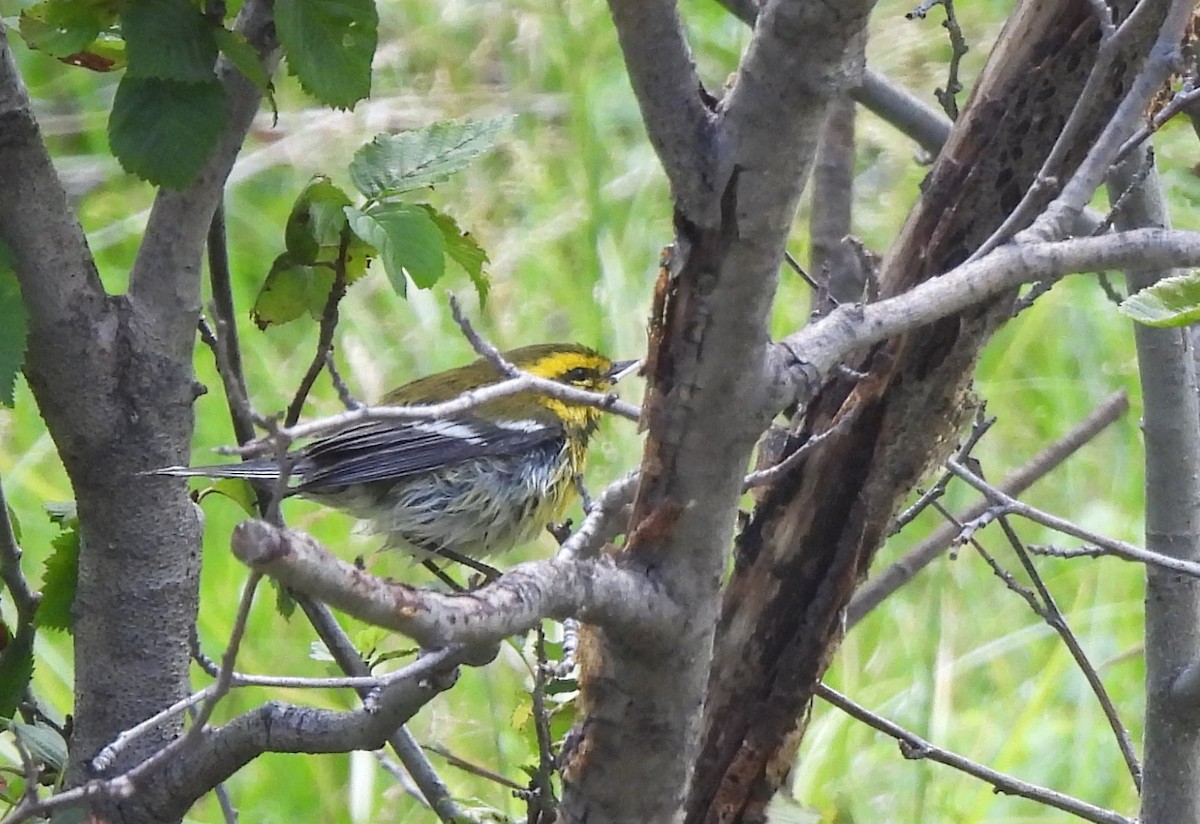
x: 463, y: 487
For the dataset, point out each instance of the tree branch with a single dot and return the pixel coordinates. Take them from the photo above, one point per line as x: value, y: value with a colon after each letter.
x: 805, y: 358
x: 675, y: 107
x: 795, y: 64
x: 1078, y: 191
x: 913, y: 746
x: 598, y: 592
x: 169, y: 782
x: 165, y: 279
x: 886, y: 582
x: 37, y: 223
x: 1007, y: 505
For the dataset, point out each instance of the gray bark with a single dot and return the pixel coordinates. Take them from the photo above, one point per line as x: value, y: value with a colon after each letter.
x: 1171, y: 427
x: 112, y: 376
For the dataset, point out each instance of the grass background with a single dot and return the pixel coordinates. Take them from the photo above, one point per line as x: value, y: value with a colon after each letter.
x: 573, y: 211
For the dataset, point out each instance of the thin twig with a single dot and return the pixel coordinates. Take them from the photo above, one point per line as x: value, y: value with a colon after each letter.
x: 364, y: 682
x: 769, y: 475
x: 474, y: 769
x: 541, y: 799
x: 463, y: 403
x: 482, y: 348
x: 1053, y: 616
x: 1139, y: 177
x: 1046, y: 178
x: 1179, y: 102
x: 894, y: 576
x: 1010, y: 506
x: 398, y: 772
x: 799, y: 270
x: 597, y: 526
x: 29, y: 769
x: 343, y: 391
x: 24, y: 598
x: 912, y: 746
x: 348, y: 659
x: 1049, y: 551
x: 124, y: 785
x: 329, y: 321
x: 225, y: 344
x: 978, y: 430
x: 958, y: 48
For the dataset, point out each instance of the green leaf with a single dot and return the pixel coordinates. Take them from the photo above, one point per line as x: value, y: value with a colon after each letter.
x: 60, y: 579
x: 395, y: 163
x: 75, y: 31
x: 169, y: 40
x: 14, y: 329
x: 409, y: 242
x: 237, y: 490
x: 317, y: 220
x: 245, y: 59
x: 163, y: 130
x: 44, y: 743
x: 285, y: 602
x: 1170, y: 302
x: 16, y: 668
x: 314, y: 231
x: 290, y: 290
x: 329, y: 46
x: 462, y: 249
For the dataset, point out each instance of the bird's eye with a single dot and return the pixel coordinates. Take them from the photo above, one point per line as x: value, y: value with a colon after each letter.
x: 580, y: 374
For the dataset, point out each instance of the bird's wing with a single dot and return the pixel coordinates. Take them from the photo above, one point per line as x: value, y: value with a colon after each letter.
x: 381, y: 451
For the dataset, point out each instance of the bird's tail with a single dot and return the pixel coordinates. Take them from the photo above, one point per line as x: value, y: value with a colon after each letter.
x: 257, y: 470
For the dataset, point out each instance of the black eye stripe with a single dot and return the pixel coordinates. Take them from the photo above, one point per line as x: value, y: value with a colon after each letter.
x: 578, y: 374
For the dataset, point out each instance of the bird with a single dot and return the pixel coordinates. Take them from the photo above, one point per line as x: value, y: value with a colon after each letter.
x: 463, y: 487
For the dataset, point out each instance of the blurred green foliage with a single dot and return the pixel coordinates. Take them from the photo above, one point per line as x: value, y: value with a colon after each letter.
x: 572, y: 211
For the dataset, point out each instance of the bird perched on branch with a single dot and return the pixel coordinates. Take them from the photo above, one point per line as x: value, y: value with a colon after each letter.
x: 460, y: 487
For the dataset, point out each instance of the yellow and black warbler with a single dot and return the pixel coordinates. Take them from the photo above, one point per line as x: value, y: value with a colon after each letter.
x: 471, y: 485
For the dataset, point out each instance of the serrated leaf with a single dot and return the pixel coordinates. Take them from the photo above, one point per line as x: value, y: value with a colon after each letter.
x: 237, y: 490
x: 16, y: 668
x: 169, y: 40
x: 163, y: 130
x: 241, y: 54
x: 408, y: 241
x: 60, y: 579
x: 291, y: 290
x: 462, y: 249
x: 44, y: 743
x: 392, y: 164
x: 329, y: 45
x: 14, y: 328
x: 1172, y: 301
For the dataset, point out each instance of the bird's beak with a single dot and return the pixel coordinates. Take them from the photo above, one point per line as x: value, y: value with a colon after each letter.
x: 622, y: 369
